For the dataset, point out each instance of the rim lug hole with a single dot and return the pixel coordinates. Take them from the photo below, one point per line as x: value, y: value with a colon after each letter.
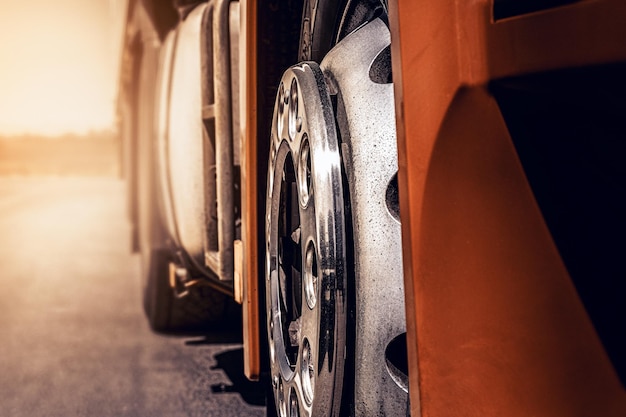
x: 294, y: 410
x: 307, y: 372
x: 282, y: 405
x: 310, y: 276
x: 304, y: 171
x: 292, y: 111
x: 299, y: 124
x: 282, y: 100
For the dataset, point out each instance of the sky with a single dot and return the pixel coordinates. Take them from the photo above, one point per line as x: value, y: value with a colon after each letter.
x: 59, y: 63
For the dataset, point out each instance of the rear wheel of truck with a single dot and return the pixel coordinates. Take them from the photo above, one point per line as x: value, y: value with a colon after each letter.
x: 168, y: 309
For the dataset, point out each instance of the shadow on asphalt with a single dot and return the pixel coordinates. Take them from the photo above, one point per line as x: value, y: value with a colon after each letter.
x: 231, y: 362
x: 215, y: 338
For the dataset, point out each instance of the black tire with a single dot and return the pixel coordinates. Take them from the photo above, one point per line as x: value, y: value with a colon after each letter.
x: 202, y: 309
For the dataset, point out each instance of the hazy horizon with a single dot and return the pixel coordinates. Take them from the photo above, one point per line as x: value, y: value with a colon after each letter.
x: 60, y: 65
x: 106, y: 132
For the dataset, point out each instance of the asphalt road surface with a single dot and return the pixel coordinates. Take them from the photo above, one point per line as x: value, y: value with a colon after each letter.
x: 73, y: 338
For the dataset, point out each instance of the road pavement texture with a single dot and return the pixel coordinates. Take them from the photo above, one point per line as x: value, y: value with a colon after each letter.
x: 73, y: 338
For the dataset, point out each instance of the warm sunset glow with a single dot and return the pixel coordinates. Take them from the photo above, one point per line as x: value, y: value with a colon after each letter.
x: 59, y: 63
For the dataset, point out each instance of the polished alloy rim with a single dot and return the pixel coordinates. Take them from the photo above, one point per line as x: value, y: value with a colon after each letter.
x: 305, y: 271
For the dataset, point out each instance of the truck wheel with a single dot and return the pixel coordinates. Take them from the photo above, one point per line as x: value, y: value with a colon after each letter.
x: 333, y: 254
x: 202, y: 308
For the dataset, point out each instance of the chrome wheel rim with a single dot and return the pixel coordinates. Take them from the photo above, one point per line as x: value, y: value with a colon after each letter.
x: 305, y: 254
